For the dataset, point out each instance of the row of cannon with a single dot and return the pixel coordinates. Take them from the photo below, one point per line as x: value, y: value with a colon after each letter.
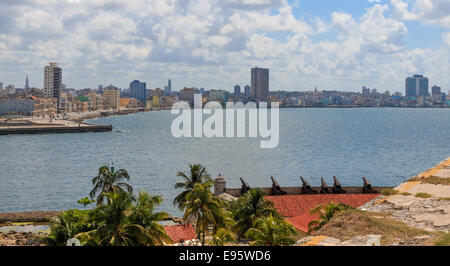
x: 306, y: 188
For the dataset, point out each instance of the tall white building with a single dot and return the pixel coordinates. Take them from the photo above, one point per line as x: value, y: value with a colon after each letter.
x: 260, y: 84
x: 52, y: 80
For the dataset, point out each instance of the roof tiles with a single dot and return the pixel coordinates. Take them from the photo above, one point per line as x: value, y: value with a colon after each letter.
x: 296, y: 208
x: 180, y: 233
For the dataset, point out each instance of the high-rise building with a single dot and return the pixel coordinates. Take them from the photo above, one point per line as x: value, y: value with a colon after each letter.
x: 1, y: 87
x: 247, y: 91
x: 435, y: 90
x: 260, y: 83
x: 111, y: 95
x: 27, y: 84
x: 52, y: 80
x: 137, y: 90
x: 417, y: 86
x: 168, y: 88
x: 237, y: 91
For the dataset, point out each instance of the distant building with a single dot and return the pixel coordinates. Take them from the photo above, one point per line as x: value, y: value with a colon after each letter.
x: 247, y: 91
x: 28, y: 107
x: 218, y: 95
x: 417, y: 86
x: 52, y: 80
x: 10, y: 89
x: 137, y: 90
x: 260, y: 83
x: 436, y: 95
x: 111, y: 96
x: 237, y: 91
x: 168, y: 88
x: 435, y: 90
x: 187, y: 94
x: 365, y: 90
x: 1, y: 86
x: 27, y: 84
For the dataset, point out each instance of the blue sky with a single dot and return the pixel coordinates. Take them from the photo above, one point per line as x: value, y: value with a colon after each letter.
x: 330, y: 44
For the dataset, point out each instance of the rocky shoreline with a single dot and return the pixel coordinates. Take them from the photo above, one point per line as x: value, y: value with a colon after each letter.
x: 13, y: 238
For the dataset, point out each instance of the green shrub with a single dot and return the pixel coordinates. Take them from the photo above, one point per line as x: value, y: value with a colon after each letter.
x: 423, y: 195
x: 66, y: 225
x: 389, y: 192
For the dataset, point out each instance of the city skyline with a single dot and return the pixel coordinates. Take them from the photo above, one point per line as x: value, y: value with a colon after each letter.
x: 334, y: 46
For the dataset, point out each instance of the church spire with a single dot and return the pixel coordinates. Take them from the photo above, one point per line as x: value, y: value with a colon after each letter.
x: 27, y: 84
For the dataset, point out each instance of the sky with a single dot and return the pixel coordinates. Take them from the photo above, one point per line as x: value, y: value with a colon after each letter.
x: 328, y: 44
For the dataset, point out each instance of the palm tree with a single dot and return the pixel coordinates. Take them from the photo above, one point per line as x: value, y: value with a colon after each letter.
x: 326, y: 212
x: 143, y: 214
x: 222, y: 236
x: 198, y: 175
x: 202, y: 205
x: 248, y: 209
x: 109, y: 181
x: 271, y: 231
x: 122, y: 224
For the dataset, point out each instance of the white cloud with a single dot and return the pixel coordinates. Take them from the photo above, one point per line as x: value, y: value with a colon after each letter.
x: 213, y: 43
x: 433, y: 12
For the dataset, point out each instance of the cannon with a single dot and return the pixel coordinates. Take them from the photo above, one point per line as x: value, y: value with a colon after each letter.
x: 324, y: 188
x: 276, y: 189
x: 245, y: 186
x: 367, y: 189
x: 306, y: 188
x: 337, y: 188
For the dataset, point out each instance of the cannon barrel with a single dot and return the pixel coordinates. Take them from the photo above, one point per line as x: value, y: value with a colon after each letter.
x: 274, y: 182
x: 367, y: 187
x: 337, y: 188
x: 306, y: 188
x: 276, y: 189
x: 245, y: 186
x: 336, y: 181
x: 324, y: 188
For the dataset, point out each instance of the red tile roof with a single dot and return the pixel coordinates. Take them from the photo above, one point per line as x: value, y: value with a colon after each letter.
x: 301, y: 221
x: 180, y: 233
x: 296, y: 208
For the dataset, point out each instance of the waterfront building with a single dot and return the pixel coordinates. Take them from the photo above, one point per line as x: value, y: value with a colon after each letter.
x: 187, y: 94
x: 218, y: 95
x: 28, y: 107
x: 1, y: 87
x: 111, y: 96
x: 436, y: 94
x: 155, y: 101
x: 137, y: 90
x: 417, y: 86
x: 259, y: 83
x: 247, y: 91
x: 237, y: 91
x: 156, y: 92
x: 52, y: 80
x: 435, y: 90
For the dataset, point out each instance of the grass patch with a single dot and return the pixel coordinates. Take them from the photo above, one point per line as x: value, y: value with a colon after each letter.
x: 423, y: 195
x: 22, y: 223
x: 443, y: 240
x: 350, y: 223
x: 444, y: 199
x: 389, y: 192
x: 405, y: 194
x: 433, y: 180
